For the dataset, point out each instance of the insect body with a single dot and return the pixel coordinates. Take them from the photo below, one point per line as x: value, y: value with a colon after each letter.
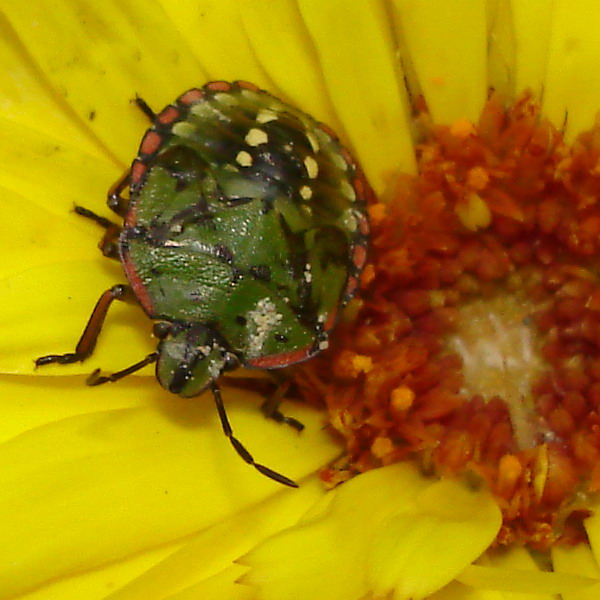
x: 244, y: 234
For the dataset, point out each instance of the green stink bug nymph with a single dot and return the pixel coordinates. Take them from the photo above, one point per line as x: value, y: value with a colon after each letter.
x: 244, y: 233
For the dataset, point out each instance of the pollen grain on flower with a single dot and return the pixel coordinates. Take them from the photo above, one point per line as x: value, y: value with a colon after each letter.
x: 474, y: 346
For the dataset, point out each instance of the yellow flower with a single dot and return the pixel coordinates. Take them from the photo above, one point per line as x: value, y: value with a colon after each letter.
x: 125, y: 492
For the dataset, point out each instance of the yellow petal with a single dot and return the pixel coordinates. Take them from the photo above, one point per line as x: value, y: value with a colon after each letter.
x: 30, y: 402
x: 447, y: 42
x: 95, y: 584
x: 572, y: 65
x: 293, y: 66
x: 532, y: 25
x: 133, y: 479
x: 210, y: 554
x: 501, y: 48
x: 577, y: 560
x: 27, y: 98
x: 421, y: 549
x: 214, y: 33
x: 458, y: 591
x: 325, y: 556
x: 99, y: 55
x: 524, y: 581
x: 514, y: 572
x: 53, y: 174
x: 592, y: 528
x: 222, y: 586
x: 45, y: 309
x: 354, y: 44
x: 38, y: 237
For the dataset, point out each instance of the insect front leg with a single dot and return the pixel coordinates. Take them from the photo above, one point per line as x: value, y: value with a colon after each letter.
x: 89, y: 337
x: 240, y: 448
x: 96, y: 377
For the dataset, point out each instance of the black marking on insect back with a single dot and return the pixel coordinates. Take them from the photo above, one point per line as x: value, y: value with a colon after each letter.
x: 241, y: 320
x: 183, y: 373
x: 268, y: 204
x: 279, y: 337
x: 236, y: 276
x: 261, y: 272
x: 223, y: 253
x: 197, y: 214
x: 283, y: 170
x: 180, y: 184
x: 184, y: 164
x: 297, y: 260
x: 233, y: 202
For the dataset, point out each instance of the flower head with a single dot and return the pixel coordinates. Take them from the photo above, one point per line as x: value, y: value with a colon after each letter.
x: 126, y: 492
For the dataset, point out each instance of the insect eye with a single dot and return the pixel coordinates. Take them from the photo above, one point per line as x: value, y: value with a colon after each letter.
x: 231, y: 362
x: 161, y: 329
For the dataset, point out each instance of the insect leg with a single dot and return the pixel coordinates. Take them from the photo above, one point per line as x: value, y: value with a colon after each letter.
x: 96, y: 378
x: 108, y: 244
x: 270, y: 407
x: 89, y: 337
x: 239, y: 448
x: 273, y: 391
x: 114, y: 199
x: 145, y: 108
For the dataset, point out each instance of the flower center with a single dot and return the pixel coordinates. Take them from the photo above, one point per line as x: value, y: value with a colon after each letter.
x: 474, y: 346
x: 500, y: 353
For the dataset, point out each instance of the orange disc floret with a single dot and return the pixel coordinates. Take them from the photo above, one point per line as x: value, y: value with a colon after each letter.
x: 501, y: 209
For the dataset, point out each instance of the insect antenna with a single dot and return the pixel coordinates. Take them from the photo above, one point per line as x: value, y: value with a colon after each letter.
x: 239, y: 447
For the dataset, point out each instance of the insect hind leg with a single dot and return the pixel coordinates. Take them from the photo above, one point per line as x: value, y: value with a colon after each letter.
x: 108, y: 244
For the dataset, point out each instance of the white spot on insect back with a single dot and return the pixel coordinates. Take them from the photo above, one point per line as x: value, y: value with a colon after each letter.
x: 349, y: 220
x: 256, y: 137
x: 184, y: 129
x: 323, y: 345
x: 347, y: 190
x: 261, y: 322
x: 314, y: 142
x: 224, y: 98
x: 265, y: 116
x: 243, y: 158
x: 339, y: 161
x: 312, y: 168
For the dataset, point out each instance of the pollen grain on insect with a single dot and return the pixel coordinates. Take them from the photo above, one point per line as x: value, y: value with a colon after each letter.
x: 264, y: 318
x: 307, y: 272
